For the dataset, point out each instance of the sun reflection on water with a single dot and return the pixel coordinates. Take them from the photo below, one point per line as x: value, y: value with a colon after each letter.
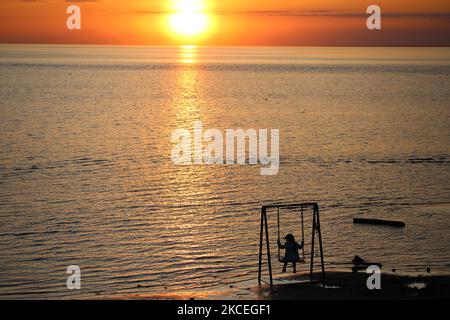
x: 189, y: 105
x: 188, y: 54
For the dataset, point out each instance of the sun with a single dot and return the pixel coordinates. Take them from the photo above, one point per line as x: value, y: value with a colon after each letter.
x: 189, y: 23
x: 189, y: 19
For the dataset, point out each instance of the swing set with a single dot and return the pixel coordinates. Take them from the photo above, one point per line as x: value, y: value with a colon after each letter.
x: 300, y: 209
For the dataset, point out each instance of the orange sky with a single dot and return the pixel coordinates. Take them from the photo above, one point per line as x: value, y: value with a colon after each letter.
x: 233, y: 22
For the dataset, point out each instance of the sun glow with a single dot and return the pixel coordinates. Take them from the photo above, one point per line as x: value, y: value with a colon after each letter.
x: 188, y: 19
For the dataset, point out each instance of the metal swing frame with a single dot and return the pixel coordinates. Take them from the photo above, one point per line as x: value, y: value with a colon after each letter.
x: 265, y: 229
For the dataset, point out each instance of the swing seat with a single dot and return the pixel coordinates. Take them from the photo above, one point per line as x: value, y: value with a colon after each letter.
x: 299, y: 260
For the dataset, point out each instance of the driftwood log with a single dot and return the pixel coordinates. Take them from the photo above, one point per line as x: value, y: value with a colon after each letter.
x: 397, y: 224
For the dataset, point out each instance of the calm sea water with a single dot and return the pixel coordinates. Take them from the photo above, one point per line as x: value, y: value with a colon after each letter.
x: 86, y: 176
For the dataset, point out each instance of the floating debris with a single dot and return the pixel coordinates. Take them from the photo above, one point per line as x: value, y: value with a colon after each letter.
x: 390, y: 223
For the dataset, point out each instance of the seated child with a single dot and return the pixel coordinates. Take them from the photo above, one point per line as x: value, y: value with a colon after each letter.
x: 291, y: 253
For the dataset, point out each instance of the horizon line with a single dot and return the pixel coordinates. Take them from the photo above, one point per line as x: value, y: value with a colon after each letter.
x: 227, y: 45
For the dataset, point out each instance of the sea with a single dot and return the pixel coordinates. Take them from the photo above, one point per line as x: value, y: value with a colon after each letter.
x: 87, y: 177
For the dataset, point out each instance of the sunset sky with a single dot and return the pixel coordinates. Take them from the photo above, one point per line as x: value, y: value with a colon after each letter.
x: 226, y: 22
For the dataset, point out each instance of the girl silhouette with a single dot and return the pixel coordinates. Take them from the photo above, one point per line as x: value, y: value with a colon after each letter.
x: 291, y: 253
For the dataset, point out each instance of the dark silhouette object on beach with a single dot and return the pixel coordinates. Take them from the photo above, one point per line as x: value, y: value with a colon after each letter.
x: 291, y: 254
x: 428, y: 270
x: 357, y: 260
x: 361, y: 264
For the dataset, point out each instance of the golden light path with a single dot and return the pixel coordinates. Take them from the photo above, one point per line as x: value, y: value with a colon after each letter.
x: 188, y: 54
x: 188, y: 19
